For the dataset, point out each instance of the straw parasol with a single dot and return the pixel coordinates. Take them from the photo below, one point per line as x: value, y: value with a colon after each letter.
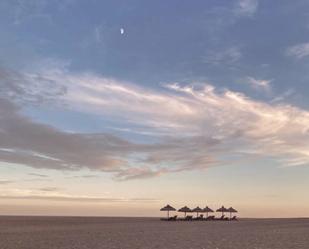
x: 197, y: 210
x: 231, y: 210
x: 185, y: 210
x: 168, y: 208
x: 222, y: 210
x: 207, y: 210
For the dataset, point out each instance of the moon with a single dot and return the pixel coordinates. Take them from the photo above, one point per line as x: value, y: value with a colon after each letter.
x: 122, y: 31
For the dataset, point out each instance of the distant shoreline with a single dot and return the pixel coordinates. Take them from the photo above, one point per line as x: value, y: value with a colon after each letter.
x: 139, y: 217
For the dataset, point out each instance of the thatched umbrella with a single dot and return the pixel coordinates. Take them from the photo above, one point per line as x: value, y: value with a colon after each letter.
x: 168, y: 208
x: 185, y: 210
x: 231, y: 210
x: 197, y: 210
x: 222, y: 210
x: 207, y: 210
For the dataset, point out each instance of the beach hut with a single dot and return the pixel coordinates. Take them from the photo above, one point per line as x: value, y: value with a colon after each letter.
x: 197, y: 210
x: 231, y: 210
x: 222, y: 210
x: 185, y: 210
x: 207, y: 210
x: 168, y: 208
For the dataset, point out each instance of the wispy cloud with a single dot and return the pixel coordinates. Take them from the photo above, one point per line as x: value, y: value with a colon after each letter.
x: 29, y: 88
x: 282, y: 97
x: 49, y: 189
x: 38, y: 175
x: 299, y: 51
x: 74, y: 198
x: 2, y: 182
x: 246, y: 7
x: 203, y: 127
x: 259, y: 84
x: 84, y: 176
x: 226, y: 56
x: 22, y: 11
x: 99, y: 33
x: 51, y: 195
x: 41, y: 146
x: 222, y: 17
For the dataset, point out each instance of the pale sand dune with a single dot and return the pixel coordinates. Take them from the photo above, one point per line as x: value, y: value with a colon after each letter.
x: 97, y: 233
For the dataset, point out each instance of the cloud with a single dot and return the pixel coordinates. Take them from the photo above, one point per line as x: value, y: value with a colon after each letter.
x: 2, y: 182
x: 246, y: 7
x: 53, y: 194
x: 22, y: 11
x: 99, y: 33
x: 219, y: 18
x: 40, y: 146
x: 299, y: 51
x: 74, y: 198
x: 259, y: 84
x: 226, y: 56
x: 23, y: 141
x: 38, y: 175
x: 269, y: 130
x: 28, y: 88
x: 49, y: 189
x: 283, y: 96
x: 84, y: 176
x: 139, y: 173
x: 195, y: 126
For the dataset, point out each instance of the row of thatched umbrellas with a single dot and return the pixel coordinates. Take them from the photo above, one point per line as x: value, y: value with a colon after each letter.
x: 198, y: 210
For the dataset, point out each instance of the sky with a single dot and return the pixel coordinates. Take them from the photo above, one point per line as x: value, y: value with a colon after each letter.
x: 116, y: 108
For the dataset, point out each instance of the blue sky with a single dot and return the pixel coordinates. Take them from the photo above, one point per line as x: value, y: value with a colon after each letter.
x: 121, y: 105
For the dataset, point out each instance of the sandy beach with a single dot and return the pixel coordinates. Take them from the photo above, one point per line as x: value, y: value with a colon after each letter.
x: 120, y: 233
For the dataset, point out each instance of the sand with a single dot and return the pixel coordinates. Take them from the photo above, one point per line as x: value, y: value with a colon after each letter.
x: 93, y: 233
